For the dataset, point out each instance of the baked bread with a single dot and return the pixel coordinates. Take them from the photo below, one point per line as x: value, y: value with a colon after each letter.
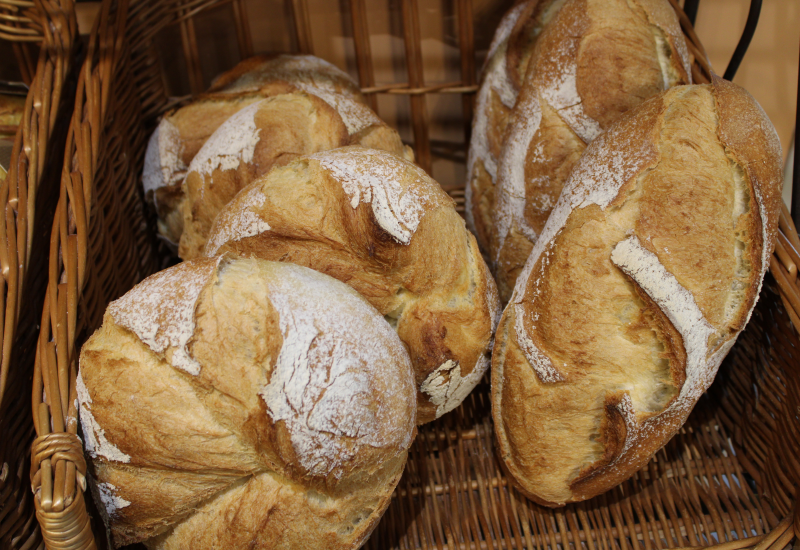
x: 593, y: 61
x: 646, y: 272
x: 225, y: 400
x: 182, y: 132
x: 382, y: 225
x: 271, y: 132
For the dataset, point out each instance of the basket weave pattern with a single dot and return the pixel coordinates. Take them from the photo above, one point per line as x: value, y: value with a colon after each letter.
x: 27, y: 196
x: 728, y: 479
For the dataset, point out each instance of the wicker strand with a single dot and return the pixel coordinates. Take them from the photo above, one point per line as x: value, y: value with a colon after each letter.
x: 416, y: 79
x: 728, y: 474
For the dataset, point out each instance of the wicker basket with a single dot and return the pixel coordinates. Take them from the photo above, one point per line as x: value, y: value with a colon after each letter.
x: 728, y: 480
x: 28, y: 195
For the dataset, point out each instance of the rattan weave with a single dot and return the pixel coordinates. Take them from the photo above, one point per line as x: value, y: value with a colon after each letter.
x: 27, y: 195
x: 728, y: 479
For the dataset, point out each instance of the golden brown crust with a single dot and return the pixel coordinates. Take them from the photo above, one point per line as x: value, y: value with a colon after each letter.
x: 592, y: 62
x: 645, y: 273
x: 241, y: 388
x: 399, y: 243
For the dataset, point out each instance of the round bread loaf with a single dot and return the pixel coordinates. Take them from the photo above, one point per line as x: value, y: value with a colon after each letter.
x: 224, y: 402
x: 182, y: 132
x: 382, y: 225
x: 593, y: 61
x: 270, y: 132
x: 642, y: 279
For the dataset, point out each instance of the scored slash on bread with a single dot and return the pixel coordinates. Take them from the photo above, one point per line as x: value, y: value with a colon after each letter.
x: 223, y: 399
x: 380, y: 224
x: 641, y: 280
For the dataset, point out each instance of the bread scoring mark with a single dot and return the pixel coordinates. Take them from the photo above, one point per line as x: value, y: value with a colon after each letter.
x: 323, y: 384
x: 236, y: 224
x: 495, y: 80
x: 540, y: 362
x: 160, y: 310
x: 111, y: 501
x: 356, y: 116
x: 679, y: 306
x: 231, y: 144
x: 560, y: 90
x: 374, y: 177
x: 162, y: 160
x: 96, y: 443
x: 446, y: 388
x: 511, y: 179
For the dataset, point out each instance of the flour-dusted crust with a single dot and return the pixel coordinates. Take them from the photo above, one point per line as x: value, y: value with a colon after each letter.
x: 383, y: 226
x: 301, y: 409
x: 593, y: 61
x: 631, y: 298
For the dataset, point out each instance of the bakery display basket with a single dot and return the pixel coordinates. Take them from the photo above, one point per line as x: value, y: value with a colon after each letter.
x: 728, y: 480
x: 43, y: 36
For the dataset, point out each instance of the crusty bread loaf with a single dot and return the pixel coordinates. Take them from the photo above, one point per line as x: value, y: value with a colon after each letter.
x: 383, y: 226
x: 271, y: 132
x: 592, y: 61
x: 639, y: 284
x: 225, y: 402
x: 182, y: 132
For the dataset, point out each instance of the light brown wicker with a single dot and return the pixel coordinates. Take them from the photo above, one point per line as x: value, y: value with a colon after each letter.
x: 27, y: 195
x: 728, y: 480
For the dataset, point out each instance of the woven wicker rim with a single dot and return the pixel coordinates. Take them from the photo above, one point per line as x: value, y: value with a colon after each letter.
x: 71, y: 307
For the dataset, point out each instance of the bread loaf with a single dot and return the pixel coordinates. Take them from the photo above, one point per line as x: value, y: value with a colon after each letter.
x: 594, y: 60
x: 226, y: 402
x: 383, y: 226
x: 644, y: 275
x: 182, y: 132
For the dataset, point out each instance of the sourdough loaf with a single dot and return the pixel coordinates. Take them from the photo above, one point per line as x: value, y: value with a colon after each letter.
x: 592, y: 61
x: 382, y: 225
x: 223, y: 401
x: 644, y: 275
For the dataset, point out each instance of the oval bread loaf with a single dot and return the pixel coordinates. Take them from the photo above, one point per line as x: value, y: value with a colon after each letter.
x: 225, y: 400
x: 382, y: 225
x: 593, y: 61
x: 643, y: 277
